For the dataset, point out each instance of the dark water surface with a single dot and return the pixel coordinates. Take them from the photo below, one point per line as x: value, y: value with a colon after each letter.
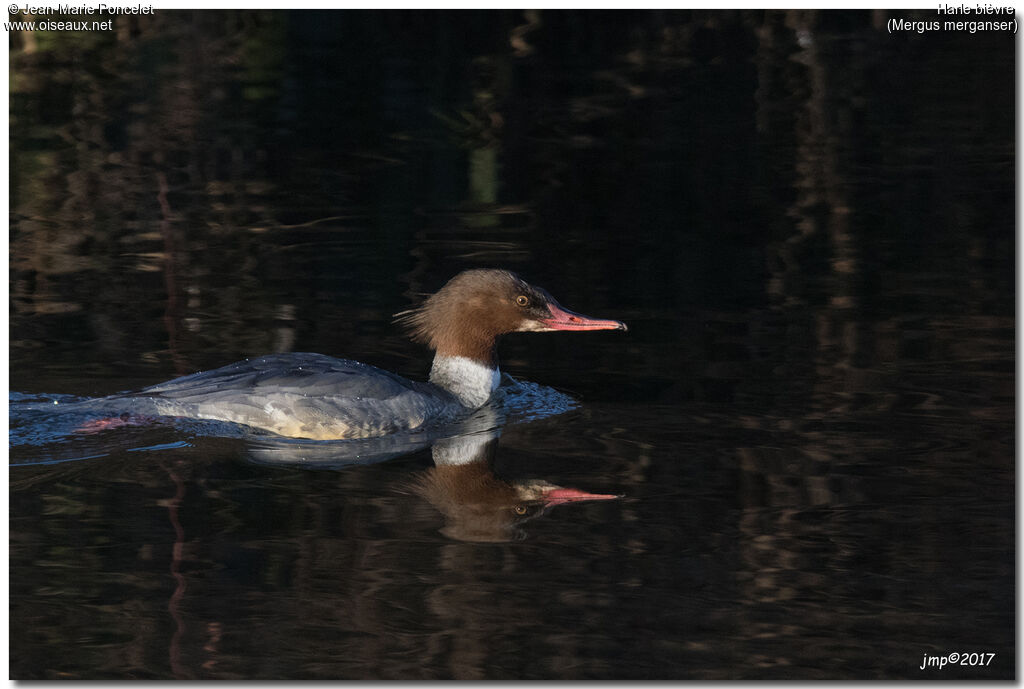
x: 807, y: 223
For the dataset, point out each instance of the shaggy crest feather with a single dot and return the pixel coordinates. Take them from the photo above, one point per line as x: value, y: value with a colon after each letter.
x: 436, y: 322
x: 414, y: 321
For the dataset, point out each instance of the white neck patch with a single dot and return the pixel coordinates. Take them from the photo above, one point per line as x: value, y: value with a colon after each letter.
x: 469, y: 380
x: 462, y: 449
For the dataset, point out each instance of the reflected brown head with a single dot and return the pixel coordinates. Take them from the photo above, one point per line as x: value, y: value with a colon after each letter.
x: 479, y: 507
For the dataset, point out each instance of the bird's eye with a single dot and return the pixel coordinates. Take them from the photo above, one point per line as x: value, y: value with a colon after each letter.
x: 523, y: 300
x: 520, y: 509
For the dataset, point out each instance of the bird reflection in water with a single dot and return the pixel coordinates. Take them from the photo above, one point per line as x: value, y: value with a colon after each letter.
x: 477, y: 505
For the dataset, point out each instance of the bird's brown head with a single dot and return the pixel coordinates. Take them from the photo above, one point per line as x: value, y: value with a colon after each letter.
x: 467, y: 315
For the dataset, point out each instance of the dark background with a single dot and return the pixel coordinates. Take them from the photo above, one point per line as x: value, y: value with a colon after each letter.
x: 806, y: 221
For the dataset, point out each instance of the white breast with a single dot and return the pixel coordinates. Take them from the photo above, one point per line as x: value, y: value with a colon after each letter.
x: 469, y: 380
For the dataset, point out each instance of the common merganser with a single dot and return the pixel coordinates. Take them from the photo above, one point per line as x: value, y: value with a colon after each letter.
x: 314, y: 396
